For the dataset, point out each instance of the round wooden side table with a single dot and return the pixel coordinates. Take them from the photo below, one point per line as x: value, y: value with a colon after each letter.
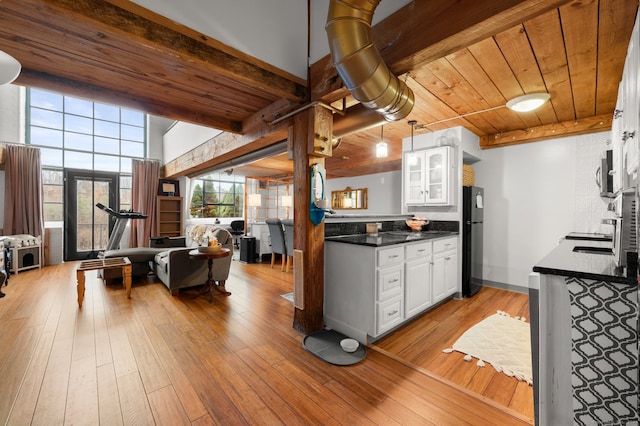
x: 210, y: 285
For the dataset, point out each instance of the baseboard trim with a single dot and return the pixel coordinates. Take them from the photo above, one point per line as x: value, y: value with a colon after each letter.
x: 505, y: 286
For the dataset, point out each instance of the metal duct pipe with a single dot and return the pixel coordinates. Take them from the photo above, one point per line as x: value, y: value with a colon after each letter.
x: 359, y: 63
x: 357, y: 119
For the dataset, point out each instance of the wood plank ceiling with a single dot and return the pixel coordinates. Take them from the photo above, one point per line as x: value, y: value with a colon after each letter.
x: 117, y: 52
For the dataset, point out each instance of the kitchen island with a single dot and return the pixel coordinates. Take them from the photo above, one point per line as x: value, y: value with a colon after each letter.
x: 376, y: 283
x: 584, y: 333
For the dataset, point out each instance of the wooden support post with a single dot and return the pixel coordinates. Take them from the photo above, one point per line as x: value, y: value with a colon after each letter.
x: 308, y: 237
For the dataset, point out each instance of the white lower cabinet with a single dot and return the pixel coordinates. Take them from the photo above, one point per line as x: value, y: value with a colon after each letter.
x: 390, y: 286
x: 445, y: 268
x: 417, y: 278
x: 369, y: 291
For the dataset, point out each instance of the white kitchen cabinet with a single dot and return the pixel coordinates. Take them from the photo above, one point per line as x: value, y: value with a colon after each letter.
x: 445, y: 268
x: 415, y: 180
x: 417, y: 278
x: 616, y: 142
x: 427, y: 177
x: 436, y: 161
x: 368, y: 291
x: 390, y: 288
x: 626, y: 120
x: 630, y: 116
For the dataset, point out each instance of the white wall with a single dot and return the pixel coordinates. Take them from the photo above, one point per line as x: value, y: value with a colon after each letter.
x: 183, y: 137
x: 12, y: 113
x: 383, y: 191
x: 535, y: 194
x: 156, y: 128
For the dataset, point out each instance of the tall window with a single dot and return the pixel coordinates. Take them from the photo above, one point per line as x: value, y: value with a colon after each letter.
x: 80, y: 134
x: 217, y: 195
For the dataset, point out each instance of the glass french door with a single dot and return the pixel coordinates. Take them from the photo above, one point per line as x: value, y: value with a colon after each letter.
x: 87, y: 227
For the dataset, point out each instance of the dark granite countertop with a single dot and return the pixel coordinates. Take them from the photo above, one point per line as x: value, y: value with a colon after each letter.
x: 389, y: 238
x: 595, y: 266
x: 589, y: 236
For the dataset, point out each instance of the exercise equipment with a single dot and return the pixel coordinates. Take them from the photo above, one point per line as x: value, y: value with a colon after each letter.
x: 121, y: 219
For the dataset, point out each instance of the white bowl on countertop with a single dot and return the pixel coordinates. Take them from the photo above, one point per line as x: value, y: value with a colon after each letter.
x: 349, y: 345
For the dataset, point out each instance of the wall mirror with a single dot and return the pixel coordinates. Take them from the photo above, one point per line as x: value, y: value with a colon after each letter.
x: 349, y: 199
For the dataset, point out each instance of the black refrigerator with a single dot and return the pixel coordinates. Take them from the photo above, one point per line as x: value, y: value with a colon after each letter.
x: 472, y: 224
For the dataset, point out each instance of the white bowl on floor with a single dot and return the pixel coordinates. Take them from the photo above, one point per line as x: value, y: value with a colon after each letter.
x: 349, y: 345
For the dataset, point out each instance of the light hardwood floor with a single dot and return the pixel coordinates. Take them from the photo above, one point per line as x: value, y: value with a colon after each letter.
x: 157, y: 359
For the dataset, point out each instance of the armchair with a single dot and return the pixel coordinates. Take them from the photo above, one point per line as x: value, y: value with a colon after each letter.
x: 177, y: 270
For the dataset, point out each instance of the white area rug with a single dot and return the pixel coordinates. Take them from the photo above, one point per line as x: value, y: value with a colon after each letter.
x: 502, y: 341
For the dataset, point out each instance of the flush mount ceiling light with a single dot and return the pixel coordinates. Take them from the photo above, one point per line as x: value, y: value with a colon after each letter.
x: 528, y: 102
x: 381, y: 147
x: 9, y: 68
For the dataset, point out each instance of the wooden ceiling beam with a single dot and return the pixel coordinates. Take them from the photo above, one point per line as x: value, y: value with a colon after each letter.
x: 109, y: 95
x: 258, y: 133
x: 99, y: 24
x: 601, y: 123
x: 426, y: 30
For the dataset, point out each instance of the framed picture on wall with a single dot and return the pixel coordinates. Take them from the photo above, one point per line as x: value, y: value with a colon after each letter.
x: 169, y: 188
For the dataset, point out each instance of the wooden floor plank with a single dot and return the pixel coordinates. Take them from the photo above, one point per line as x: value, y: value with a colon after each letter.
x: 167, y: 409
x: 189, y: 399
x: 82, y: 401
x: 156, y: 359
x: 133, y: 400
x: 108, y: 396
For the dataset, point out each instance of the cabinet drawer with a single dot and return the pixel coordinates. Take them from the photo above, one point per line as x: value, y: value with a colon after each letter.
x: 390, y: 282
x: 417, y: 251
x: 389, y: 314
x: 390, y: 256
x: 445, y: 244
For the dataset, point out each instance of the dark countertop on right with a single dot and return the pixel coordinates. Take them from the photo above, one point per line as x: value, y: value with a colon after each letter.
x: 564, y: 261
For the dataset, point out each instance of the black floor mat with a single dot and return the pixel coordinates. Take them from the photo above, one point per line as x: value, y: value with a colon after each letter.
x: 325, y: 344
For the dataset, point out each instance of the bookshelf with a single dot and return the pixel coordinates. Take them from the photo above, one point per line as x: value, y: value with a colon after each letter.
x: 170, y: 216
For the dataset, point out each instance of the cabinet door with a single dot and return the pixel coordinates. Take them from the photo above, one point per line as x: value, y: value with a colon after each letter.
x: 417, y: 286
x: 616, y: 137
x: 414, y: 178
x: 451, y: 273
x: 630, y: 120
x: 438, y: 278
x: 437, y: 173
x: 445, y: 275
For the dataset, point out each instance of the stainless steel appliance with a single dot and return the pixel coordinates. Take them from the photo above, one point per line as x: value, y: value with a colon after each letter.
x: 625, y: 237
x: 472, y: 236
x: 604, y: 176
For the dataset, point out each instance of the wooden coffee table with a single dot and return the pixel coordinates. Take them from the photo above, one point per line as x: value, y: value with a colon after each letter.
x: 210, y: 285
x: 113, y: 262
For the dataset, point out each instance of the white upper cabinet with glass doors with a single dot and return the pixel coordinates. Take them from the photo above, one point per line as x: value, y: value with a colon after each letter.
x: 426, y: 180
x: 415, y: 179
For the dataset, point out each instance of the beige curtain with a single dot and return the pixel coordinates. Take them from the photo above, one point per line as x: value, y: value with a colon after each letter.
x: 144, y: 185
x: 23, y: 191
